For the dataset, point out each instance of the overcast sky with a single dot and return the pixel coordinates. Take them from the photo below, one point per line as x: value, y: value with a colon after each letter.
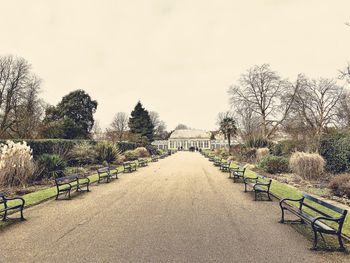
x: 178, y: 57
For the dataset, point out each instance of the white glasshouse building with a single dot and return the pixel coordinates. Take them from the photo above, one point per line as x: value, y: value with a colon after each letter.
x: 185, y: 139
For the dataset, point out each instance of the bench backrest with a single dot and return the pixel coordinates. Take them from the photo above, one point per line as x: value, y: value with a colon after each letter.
x: 329, y: 206
x: 66, y: 179
x: 103, y: 170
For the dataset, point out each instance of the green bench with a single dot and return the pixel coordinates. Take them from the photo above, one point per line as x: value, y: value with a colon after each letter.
x: 129, y: 166
x: 308, y: 210
x: 258, y: 185
x: 5, y: 208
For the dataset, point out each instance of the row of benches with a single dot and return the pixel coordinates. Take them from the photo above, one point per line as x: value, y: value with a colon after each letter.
x: 323, y: 217
x: 65, y: 184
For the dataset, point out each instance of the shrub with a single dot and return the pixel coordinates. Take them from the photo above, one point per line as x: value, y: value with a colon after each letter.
x: 335, y: 149
x: 152, y: 150
x: 261, y: 153
x: 274, y: 164
x: 48, y: 165
x: 248, y: 155
x: 106, y: 152
x: 277, y: 149
x: 307, y: 165
x: 130, y: 155
x: 141, y: 152
x: 125, y: 146
x: 340, y: 185
x: 83, y: 153
x: 258, y: 143
x: 16, y: 164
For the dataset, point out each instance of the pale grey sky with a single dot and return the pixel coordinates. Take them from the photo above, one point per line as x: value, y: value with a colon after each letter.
x: 178, y: 57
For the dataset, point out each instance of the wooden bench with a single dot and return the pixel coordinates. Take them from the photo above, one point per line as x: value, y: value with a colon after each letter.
x: 107, y: 174
x: 316, y: 218
x: 68, y: 183
x: 8, y: 207
x: 225, y: 166
x: 129, y: 166
x: 258, y: 184
x: 237, y: 174
x: 142, y: 162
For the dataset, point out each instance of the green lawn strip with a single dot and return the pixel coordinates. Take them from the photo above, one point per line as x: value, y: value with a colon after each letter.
x: 42, y: 195
x: 281, y: 190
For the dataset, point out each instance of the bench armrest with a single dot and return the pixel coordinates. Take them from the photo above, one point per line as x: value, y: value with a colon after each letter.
x: 15, y: 198
x: 333, y: 219
x: 253, y: 179
x: 291, y: 200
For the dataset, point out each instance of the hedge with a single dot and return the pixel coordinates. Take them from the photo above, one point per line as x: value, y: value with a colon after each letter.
x: 50, y: 146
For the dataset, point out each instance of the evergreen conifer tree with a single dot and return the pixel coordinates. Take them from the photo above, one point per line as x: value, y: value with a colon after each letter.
x: 140, y: 123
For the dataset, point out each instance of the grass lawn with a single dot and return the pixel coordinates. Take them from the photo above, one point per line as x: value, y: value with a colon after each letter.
x: 282, y: 190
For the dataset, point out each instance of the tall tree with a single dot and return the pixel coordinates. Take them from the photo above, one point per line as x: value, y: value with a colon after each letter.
x: 72, y: 118
x: 140, y: 123
x: 317, y: 104
x: 227, y: 126
x: 159, y: 126
x: 267, y: 95
x: 18, y: 90
x: 118, y: 126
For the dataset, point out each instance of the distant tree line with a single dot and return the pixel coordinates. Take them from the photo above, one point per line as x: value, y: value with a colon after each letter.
x: 264, y: 104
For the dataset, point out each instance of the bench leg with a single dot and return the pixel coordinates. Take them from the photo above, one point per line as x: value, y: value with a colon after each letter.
x: 282, y: 216
x: 4, y: 216
x: 340, y: 240
x: 69, y: 194
x: 87, y: 187
x: 255, y: 195
x: 22, y: 217
x: 268, y: 195
x: 314, y: 247
x: 245, y: 187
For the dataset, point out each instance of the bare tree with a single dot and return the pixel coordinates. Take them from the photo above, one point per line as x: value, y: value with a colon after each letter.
x: 181, y: 127
x: 248, y: 122
x: 266, y: 94
x: 316, y: 104
x: 119, y: 125
x: 30, y: 113
x: 345, y: 73
x: 159, y: 126
x: 18, y: 96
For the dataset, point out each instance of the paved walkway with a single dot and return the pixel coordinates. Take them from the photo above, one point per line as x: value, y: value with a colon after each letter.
x: 181, y: 209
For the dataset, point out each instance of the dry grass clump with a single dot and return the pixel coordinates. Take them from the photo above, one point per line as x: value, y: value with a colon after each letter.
x: 141, y: 152
x: 16, y: 164
x: 261, y: 153
x: 308, y: 165
x: 340, y: 185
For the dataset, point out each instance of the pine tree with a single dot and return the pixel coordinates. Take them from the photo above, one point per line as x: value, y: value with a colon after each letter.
x: 140, y: 123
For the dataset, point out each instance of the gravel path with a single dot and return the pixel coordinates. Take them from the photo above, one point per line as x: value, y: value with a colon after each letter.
x: 181, y: 209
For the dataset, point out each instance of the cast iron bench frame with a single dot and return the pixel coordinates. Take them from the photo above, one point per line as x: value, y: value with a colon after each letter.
x: 155, y: 158
x: 106, y: 173
x: 4, y: 211
x: 65, y: 184
x: 225, y: 166
x: 237, y: 173
x: 129, y: 166
x: 142, y: 162
x: 315, y: 221
x: 258, y: 184
x: 217, y: 161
